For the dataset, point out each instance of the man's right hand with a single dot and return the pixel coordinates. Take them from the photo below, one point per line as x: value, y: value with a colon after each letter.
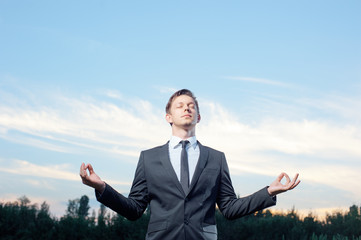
x: 92, y: 179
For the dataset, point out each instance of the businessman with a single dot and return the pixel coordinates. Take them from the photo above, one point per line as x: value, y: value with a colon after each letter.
x: 182, y: 182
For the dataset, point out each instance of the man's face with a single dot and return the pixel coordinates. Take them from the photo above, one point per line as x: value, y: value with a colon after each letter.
x: 183, y: 112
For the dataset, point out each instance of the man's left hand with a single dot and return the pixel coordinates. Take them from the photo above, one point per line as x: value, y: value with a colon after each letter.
x: 277, y: 187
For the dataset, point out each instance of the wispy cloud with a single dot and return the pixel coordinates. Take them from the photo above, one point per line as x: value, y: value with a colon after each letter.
x: 113, y: 94
x: 257, y: 80
x: 345, y: 107
x: 97, y: 125
x: 167, y: 90
x: 26, y: 168
x: 317, y: 148
x: 58, y: 171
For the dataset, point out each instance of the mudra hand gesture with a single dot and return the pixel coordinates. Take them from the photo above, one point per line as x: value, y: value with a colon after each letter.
x: 92, y: 180
x: 277, y: 187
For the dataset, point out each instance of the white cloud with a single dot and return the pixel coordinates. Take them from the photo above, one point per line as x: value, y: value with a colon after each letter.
x: 113, y: 94
x: 338, y: 175
x: 3, y: 130
x: 257, y: 80
x: 307, y: 137
x: 96, y: 125
x: 321, y: 152
x: 32, y: 141
x: 167, y: 90
x: 344, y: 107
x: 40, y: 184
x: 60, y: 172
x: 316, y: 148
x: 26, y: 168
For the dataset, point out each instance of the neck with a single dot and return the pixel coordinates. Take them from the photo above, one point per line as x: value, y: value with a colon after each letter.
x: 183, y: 133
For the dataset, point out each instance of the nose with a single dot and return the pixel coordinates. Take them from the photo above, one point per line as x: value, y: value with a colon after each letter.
x: 186, y: 108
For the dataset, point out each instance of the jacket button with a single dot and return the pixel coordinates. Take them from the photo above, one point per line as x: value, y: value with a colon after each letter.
x: 186, y: 222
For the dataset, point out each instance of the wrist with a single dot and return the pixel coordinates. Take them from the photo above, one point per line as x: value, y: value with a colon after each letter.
x: 101, y: 187
x: 271, y: 193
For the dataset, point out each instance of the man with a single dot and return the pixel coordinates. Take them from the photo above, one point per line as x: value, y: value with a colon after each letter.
x: 182, y: 181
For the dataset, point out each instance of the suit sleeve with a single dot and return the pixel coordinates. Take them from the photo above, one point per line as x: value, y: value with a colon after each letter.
x: 233, y: 207
x: 133, y: 206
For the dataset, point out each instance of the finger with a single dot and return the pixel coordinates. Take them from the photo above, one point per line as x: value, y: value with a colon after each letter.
x: 279, y: 178
x: 82, y: 166
x: 82, y: 169
x: 296, y: 176
x: 288, y: 180
x: 90, y: 168
x: 295, y: 185
x: 293, y: 182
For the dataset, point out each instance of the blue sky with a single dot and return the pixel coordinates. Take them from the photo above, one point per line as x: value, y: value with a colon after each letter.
x: 278, y: 84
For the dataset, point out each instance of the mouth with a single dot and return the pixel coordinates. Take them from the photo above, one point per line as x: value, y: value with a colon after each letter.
x: 187, y: 116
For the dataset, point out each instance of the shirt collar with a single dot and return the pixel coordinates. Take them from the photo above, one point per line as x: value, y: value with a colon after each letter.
x: 174, y: 141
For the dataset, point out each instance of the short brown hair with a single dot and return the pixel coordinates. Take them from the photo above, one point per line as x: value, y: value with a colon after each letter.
x: 179, y: 93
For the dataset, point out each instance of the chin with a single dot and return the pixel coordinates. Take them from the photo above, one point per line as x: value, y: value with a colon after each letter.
x: 189, y: 125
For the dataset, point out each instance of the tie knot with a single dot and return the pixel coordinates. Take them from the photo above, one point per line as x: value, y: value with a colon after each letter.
x: 184, y: 143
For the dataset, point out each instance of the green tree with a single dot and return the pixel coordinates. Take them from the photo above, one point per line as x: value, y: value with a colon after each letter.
x: 72, y: 209
x: 352, y: 222
x: 76, y: 224
x: 78, y: 207
x: 83, y: 209
x: 44, y: 225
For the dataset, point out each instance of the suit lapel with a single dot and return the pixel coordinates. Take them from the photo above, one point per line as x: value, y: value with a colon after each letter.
x: 165, y: 160
x: 203, y: 158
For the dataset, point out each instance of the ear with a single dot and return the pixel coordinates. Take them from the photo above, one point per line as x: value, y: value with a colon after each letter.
x: 169, y: 118
x: 198, y: 118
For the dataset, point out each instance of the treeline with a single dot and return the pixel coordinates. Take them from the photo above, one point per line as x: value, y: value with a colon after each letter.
x: 22, y: 220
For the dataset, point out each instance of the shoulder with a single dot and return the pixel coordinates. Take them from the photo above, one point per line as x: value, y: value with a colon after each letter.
x: 155, y: 150
x: 209, y: 149
x: 211, y: 152
x: 214, y: 159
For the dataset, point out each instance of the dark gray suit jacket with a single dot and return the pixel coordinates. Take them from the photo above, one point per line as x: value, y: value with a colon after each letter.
x: 174, y: 213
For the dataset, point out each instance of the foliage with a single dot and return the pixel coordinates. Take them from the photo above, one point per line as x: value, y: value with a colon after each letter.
x: 23, y: 220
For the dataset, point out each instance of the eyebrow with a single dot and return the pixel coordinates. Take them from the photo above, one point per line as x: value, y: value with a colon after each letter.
x: 189, y: 103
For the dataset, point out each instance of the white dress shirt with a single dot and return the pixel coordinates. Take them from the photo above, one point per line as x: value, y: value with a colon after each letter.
x: 175, y: 149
